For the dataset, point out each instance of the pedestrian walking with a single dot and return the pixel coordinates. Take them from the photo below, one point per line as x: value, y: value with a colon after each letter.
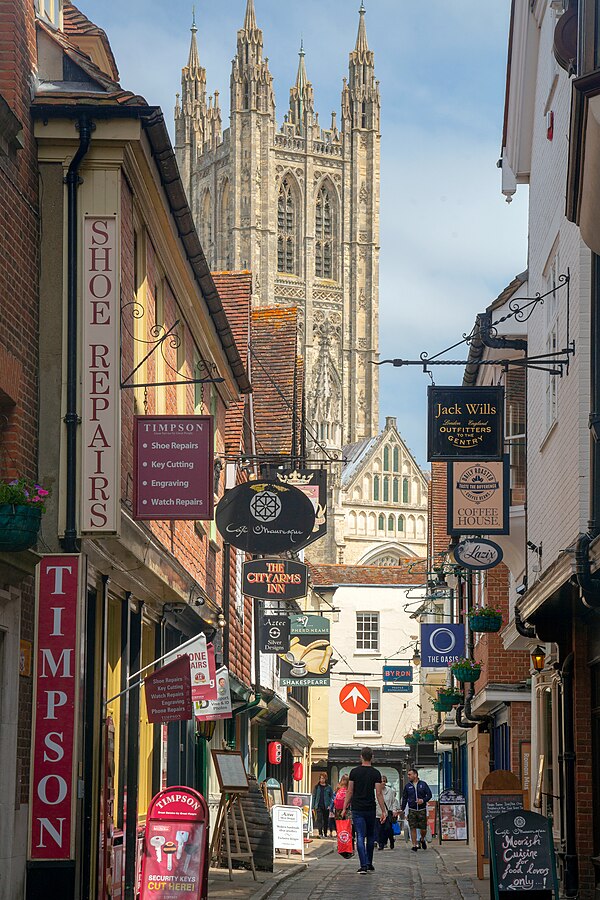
x: 416, y: 795
x: 385, y: 830
x: 364, y: 786
x: 339, y: 797
x: 322, y: 798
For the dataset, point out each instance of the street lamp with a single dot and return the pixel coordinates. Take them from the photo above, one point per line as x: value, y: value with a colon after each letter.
x: 538, y: 658
x: 416, y: 656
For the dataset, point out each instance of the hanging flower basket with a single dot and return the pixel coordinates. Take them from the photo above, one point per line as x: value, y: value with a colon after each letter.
x: 450, y: 696
x: 466, y: 670
x: 411, y: 738
x: 485, y: 619
x: 442, y: 705
x: 428, y: 736
x: 19, y: 527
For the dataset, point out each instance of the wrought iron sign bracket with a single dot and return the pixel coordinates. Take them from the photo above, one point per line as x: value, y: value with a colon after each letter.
x: 521, y: 309
x: 162, y: 338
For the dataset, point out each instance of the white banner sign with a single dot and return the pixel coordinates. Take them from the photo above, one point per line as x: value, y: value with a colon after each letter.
x: 207, y: 710
x: 204, y: 685
x: 100, y: 424
x: 287, y: 828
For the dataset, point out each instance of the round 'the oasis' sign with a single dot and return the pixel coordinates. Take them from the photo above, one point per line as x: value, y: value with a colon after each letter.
x: 265, y: 517
x: 478, y: 553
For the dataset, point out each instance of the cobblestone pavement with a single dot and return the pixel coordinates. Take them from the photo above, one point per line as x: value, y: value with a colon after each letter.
x: 433, y: 874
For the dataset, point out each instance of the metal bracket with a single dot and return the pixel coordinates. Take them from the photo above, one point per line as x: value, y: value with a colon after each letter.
x: 161, y: 337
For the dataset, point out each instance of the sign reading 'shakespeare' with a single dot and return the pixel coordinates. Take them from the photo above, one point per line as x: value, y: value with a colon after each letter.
x: 465, y: 423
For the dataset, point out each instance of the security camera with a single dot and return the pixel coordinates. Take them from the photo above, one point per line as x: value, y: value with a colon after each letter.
x: 520, y: 589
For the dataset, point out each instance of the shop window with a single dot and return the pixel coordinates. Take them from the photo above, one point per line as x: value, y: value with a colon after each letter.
x: 146, y: 750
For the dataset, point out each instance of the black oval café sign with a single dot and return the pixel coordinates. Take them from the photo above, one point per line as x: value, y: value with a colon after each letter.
x: 478, y: 554
x: 265, y: 517
x: 274, y: 579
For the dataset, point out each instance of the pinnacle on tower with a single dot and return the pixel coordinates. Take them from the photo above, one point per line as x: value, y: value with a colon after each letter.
x: 362, y: 44
x: 193, y: 58
x: 301, y: 77
x: 250, y: 19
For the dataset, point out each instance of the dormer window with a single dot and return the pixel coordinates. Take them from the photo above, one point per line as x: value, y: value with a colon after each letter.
x: 51, y: 10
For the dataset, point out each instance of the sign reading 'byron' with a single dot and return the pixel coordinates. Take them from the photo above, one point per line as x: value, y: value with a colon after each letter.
x: 465, y: 423
x: 264, y: 517
x: 275, y: 579
x: 173, y: 467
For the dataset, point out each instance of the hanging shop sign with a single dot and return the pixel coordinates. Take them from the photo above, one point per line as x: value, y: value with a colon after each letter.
x: 397, y: 673
x: 355, y: 698
x: 313, y: 483
x: 175, y: 852
x: 479, y: 497
x: 522, y: 855
x: 453, y: 816
x: 173, y: 467
x: 288, y: 833
x: 264, y: 517
x: 394, y: 687
x: 202, y: 667
x: 308, y: 660
x: 274, y: 579
x: 441, y: 645
x: 169, y: 692
x: 465, y: 423
x: 59, y: 586
x: 274, y: 633
x: 101, y: 378
x: 478, y: 553
x: 220, y: 708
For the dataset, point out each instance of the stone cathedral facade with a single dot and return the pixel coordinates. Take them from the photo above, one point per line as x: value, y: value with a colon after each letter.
x: 298, y: 205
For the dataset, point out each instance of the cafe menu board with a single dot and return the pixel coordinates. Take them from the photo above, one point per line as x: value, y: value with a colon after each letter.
x: 492, y: 805
x: 229, y: 766
x: 522, y: 855
x: 453, y: 816
x: 173, y: 467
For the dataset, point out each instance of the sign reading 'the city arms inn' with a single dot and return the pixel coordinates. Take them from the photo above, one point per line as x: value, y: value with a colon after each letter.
x: 465, y: 423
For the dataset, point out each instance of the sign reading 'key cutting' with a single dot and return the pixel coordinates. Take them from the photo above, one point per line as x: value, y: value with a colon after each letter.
x: 55, y: 708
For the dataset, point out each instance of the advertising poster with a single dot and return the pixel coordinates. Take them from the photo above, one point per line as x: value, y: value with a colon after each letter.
x: 220, y: 708
x: 175, y: 856
x: 308, y: 660
x: 303, y: 802
x: 288, y: 829
x: 465, y: 423
x: 453, y: 816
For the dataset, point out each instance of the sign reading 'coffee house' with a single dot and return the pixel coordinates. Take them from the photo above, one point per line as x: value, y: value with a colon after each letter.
x: 465, y: 423
x: 478, y: 497
x: 173, y: 467
x: 274, y: 579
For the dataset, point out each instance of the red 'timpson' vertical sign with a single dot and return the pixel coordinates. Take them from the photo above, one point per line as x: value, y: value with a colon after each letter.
x: 55, y: 709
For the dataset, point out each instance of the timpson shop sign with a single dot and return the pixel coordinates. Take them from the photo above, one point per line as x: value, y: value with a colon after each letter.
x: 478, y: 497
x: 465, y: 423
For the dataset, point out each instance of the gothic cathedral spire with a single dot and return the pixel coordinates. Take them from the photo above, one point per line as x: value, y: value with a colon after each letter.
x: 302, y: 105
x: 251, y: 81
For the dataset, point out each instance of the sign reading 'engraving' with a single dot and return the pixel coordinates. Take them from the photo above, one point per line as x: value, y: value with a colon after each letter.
x: 478, y: 554
x: 264, y: 517
x: 169, y: 692
x: 173, y: 467
x: 465, y: 423
x: 478, y: 497
x: 274, y: 633
x: 275, y: 579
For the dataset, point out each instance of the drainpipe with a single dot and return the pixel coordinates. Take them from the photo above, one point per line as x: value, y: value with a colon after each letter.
x: 526, y: 631
x: 589, y: 584
x: 571, y: 874
x: 71, y: 419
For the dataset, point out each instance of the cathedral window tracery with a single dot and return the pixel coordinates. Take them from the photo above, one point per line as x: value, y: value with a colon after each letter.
x: 286, y: 226
x: 386, y: 489
x: 376, y: 481
x: 386, y: 459
x: 405, y: 490
x: 381, y: 523
x: 324, y: 257
x: 396, y: 459
x: 395, y: 491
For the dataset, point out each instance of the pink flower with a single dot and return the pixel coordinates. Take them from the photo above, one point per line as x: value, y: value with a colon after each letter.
x: 43, y: 493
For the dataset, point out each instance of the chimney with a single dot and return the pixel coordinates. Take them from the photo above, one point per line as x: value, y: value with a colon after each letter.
x: 390, y: 422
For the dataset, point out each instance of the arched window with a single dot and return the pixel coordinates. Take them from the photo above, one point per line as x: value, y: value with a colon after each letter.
x: 246, y: 94
x: 376, y: 481
x: 225, y: 227
x: 381, y: 523
x: 395, y: 490
x: 286, y: 226
x: 324, y: 235
x: 386, y: 459
x: 401, y: 523
x: 386, y: 489
x: 405, y: 490
x: 391, y: 523
x: 206, y: 229
x: 396, y: 459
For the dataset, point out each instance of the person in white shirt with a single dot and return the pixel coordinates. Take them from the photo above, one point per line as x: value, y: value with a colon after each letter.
x: 385, y: 831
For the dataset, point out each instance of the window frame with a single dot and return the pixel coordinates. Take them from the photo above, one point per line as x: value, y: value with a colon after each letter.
x: 364, y: 635
x: 371, y: 716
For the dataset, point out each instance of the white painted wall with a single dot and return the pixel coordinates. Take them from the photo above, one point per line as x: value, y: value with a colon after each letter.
x: 399, y: 712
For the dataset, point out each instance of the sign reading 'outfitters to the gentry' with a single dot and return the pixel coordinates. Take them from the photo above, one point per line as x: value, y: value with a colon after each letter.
x: 173, y: 467
x: 465, y: 423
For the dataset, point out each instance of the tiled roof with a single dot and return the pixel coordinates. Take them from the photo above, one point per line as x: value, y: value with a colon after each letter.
x: 76, y: 26
x: 276, y: 377
x: 235, y: 291
x: 356, y: 575
x: 354, y: 454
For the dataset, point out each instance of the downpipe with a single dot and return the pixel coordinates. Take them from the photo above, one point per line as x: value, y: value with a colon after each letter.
x: 71, y: 419
x: 588, y: 583
x: 571, y: 873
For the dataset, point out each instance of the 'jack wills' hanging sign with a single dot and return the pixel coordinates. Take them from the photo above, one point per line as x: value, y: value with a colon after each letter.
x: 100, y: 420
x: 465, y: 423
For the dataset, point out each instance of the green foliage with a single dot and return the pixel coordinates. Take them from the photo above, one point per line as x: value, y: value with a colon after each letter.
x: 23, y: 492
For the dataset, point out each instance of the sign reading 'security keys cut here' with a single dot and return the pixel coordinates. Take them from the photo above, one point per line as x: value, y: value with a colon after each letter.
x: 173, y: 467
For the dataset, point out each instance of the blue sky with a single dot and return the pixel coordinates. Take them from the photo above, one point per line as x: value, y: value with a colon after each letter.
x: 449, y: 241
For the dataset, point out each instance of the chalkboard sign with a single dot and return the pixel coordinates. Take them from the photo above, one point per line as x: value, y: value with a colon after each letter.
x: 522, y: 855
x: 493, y: 805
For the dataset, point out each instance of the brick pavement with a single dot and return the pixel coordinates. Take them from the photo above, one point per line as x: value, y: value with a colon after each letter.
x: 446, y: 872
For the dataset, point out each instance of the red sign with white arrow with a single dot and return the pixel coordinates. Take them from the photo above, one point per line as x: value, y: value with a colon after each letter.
x: 355, y: 698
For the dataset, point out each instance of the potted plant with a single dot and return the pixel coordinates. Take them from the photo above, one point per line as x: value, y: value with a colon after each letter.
x: 466, y: 669
x: 411, y: 738
x: 450, y: 695
x: 22, y: 503
x: 485, y: 618
x: 441, y: 706
x: 428, y: 735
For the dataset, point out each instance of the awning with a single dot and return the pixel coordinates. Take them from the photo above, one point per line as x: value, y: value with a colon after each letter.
x: 295, y: 741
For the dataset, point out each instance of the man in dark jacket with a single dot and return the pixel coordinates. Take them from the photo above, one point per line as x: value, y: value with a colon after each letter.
x: 415, y: 795
x: 322, y: 798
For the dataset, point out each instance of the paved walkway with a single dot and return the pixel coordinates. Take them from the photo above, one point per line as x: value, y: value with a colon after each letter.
x: 439, y: 873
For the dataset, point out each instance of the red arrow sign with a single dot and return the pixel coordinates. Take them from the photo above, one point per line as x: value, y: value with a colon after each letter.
x: 355, y: 698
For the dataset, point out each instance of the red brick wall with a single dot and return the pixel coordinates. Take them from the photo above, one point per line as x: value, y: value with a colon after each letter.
x: 438, y: 538
x: 19, y: 255
x: 520, y: 730
x: 497, y: 664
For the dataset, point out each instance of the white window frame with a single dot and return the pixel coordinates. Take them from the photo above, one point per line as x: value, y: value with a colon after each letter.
x: 360, y: 629
x: 369, y: 722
